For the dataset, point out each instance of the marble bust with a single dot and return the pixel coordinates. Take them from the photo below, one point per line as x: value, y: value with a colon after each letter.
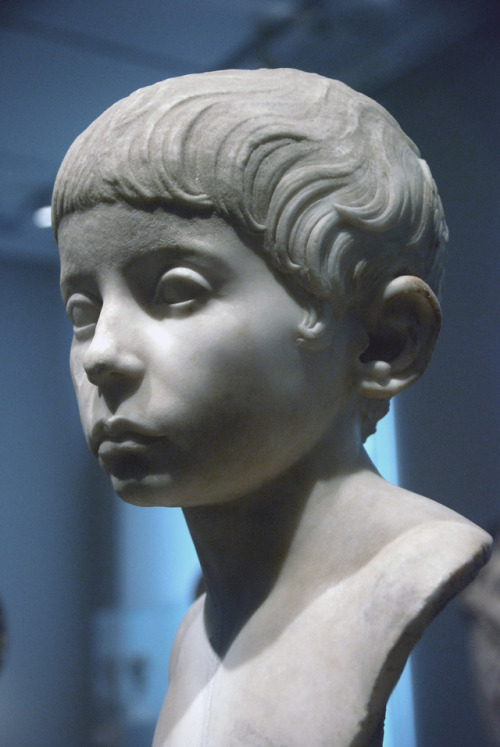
x: 251, y: 262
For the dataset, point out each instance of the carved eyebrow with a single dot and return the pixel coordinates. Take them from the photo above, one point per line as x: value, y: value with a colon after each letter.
x: 76, y: 282
x: 196, y: 254
x: 137, y: 262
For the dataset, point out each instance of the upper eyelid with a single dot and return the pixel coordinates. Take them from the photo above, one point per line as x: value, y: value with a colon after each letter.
x: 176, y: 256
x: 159, y: 260
x: 185, y: 272
x: 70, y: 286
x: 78, y: 295
x: 180, y: 287
x: 72, y: 293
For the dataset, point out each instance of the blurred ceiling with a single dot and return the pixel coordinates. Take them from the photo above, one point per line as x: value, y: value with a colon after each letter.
x: 62, y: 62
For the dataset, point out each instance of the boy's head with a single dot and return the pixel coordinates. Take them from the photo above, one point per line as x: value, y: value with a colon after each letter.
x: 320, y: 178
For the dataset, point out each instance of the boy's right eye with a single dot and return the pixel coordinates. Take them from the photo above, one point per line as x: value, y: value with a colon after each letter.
x: 82, y: 311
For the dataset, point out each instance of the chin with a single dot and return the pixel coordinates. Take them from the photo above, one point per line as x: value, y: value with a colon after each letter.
x: 150, y: 491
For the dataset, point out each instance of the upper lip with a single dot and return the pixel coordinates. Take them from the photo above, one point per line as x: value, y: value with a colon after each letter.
x: 118, y: 430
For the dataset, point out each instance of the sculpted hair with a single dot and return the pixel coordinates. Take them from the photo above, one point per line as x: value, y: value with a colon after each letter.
x: 323, y: 179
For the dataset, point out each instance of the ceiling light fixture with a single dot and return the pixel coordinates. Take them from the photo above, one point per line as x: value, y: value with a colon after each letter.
x: 42, y: 217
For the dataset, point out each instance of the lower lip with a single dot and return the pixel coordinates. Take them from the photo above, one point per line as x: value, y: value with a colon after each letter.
x: 111, y: 449
x: 129, y: 459
x: 136, y: 458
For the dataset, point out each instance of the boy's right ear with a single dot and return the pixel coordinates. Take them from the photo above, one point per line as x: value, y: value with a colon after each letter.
x: 402, y: 325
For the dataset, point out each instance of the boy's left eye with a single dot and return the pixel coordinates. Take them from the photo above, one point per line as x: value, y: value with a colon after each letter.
x: 181, y: 288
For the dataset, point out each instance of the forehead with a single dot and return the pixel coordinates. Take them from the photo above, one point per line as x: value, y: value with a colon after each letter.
x: 129, y: 240
x: 132, y: 230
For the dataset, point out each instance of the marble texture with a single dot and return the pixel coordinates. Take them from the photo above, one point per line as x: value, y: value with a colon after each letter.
x: 482, y: 604
x: 251, y: 262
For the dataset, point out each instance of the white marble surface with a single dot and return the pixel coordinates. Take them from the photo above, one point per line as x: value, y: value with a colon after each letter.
x: 250, y: 260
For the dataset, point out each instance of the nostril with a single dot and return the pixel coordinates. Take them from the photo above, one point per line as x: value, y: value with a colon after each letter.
x: 120, y: 368
x: 97, y: 372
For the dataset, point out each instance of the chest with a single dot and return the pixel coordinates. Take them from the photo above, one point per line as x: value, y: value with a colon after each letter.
x: 299, y: 684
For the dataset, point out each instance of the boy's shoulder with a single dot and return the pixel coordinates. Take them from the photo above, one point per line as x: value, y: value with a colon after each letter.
x: 347, y: 646
x: 419, y: 552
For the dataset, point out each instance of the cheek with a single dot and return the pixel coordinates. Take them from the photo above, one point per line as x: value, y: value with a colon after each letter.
x: 241, y: 384
x: 77, y: 371
x: 83, y: 388
x: 235, y: 356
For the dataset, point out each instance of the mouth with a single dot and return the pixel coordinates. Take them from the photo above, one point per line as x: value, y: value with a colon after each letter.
x: 128, y: 443
x: 130, y: 452
x: 133, y: 458
x: 125, y: 460
x: 124, y: 449
x: 120, y: 435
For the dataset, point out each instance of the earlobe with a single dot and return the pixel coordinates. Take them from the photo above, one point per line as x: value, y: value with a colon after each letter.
x: 403, y: 326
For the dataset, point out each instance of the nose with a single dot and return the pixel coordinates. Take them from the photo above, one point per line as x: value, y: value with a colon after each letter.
x: 110, y: 359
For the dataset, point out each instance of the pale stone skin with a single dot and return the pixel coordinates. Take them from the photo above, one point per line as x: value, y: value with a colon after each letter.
x: 207, y: 380
x: 318, y: 667
x: 481, y: 601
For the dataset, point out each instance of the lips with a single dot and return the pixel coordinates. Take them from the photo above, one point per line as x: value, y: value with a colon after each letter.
x: 130, y: 453
x: 125, y: 450
x: 120, y: 436
x: 131, y: 443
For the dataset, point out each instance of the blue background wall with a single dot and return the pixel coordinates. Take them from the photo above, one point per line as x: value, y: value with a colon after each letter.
x: 45, y: 521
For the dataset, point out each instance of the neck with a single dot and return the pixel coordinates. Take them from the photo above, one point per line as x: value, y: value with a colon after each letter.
x: 245, y: 545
